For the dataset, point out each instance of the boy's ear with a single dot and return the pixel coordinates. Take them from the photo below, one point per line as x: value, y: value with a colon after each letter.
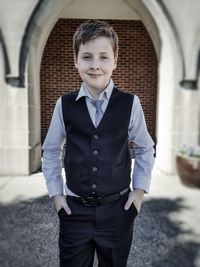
x: 75, y: 62
x: 115, y: 64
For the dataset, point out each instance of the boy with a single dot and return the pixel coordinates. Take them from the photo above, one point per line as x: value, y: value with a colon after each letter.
x: 96, y: 123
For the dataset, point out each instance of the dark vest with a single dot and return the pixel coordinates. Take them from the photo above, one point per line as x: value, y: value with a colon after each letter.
x: 97, y: 159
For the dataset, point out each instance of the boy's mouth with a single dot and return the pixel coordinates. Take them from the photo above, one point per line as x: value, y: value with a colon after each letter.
x: 94, y: 75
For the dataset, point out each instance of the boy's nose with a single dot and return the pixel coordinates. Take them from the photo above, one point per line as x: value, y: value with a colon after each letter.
x: 94, y: 65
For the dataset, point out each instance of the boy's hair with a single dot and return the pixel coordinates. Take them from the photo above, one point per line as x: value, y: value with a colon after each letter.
x: 91, y: 30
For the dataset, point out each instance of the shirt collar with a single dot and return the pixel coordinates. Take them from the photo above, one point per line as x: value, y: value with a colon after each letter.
x: 105, y: 94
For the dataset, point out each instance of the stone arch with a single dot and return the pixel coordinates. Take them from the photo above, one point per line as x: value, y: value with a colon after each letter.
x: 154, y: 19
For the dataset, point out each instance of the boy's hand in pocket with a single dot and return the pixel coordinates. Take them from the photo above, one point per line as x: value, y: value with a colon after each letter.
x: 135, y: 197
x: 61, y: 202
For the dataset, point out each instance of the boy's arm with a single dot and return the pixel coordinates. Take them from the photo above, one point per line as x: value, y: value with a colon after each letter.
x: 53, y: 158
x: 53, y: 152
x: 144, y: 155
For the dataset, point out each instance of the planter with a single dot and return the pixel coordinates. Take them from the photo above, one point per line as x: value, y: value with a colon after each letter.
x: 188, y: 169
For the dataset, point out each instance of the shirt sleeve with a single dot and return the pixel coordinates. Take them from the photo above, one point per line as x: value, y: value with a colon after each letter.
x: 143, y: 145
x: 53, y: 152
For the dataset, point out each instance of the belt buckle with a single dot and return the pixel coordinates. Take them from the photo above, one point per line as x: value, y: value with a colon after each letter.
x: 90, y: 201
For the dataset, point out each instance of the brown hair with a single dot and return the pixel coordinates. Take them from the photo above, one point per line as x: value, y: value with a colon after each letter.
x: 91, y: 30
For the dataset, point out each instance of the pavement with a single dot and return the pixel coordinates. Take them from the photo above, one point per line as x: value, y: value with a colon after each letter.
x: 166, y: 232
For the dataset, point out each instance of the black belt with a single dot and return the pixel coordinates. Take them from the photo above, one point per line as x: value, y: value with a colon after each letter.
x: 94, y: 200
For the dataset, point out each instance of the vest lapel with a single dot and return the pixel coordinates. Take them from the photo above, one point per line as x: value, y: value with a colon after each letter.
x: 84, y: 109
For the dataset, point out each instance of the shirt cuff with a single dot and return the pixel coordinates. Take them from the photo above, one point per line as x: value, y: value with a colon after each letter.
x: 141, y: 183
x: 55, y: 188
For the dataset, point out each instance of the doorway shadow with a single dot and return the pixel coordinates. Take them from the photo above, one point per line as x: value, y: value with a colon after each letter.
x: 158, y: 239
x: 29, y: 235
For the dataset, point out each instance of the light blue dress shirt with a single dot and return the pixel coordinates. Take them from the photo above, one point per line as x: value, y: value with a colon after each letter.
x: 56, y: 138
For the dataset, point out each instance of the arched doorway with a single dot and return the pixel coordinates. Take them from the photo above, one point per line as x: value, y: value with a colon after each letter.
x: 136, y: 71
x: 49, y: 17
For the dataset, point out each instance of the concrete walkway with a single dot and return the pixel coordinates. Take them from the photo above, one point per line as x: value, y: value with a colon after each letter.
x: 167, y: 231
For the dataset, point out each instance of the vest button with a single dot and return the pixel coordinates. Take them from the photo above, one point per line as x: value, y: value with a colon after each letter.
x: 96, y: 136
x: 94, y: 169
x: 94, y: 186
x: 95, y: 152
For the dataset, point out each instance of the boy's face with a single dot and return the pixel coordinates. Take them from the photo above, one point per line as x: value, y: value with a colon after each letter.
x: 95, y: 63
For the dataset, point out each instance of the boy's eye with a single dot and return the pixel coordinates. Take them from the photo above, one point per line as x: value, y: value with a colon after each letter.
x: 104, y: 57
x: 86, y: 57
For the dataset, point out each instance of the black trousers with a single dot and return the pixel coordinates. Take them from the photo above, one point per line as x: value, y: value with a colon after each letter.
x: 106, y: 229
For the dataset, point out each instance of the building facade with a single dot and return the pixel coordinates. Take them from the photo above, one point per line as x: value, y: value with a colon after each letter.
x: 159, y: 61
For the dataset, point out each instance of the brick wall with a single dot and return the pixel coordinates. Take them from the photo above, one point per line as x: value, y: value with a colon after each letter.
x: 136, y: 70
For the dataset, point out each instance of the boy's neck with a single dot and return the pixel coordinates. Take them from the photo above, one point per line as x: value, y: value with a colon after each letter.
x: 94, y: 93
